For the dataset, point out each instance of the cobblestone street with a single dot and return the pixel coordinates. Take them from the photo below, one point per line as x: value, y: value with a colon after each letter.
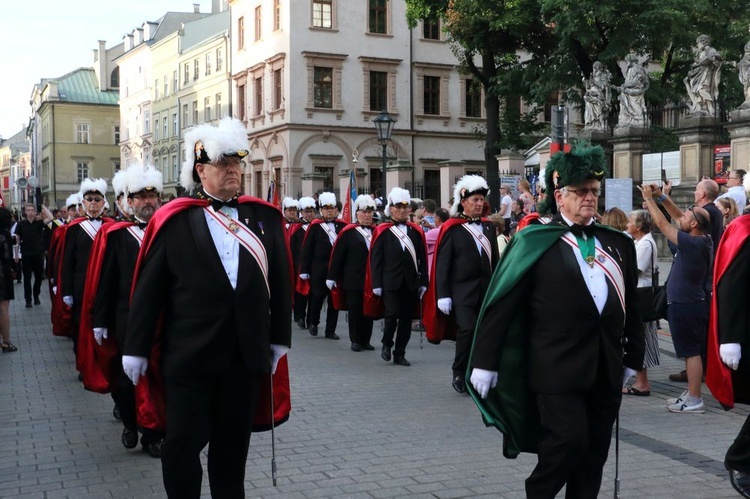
x: 359, y: 428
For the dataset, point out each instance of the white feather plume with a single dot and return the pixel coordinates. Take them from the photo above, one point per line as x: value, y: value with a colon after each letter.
x: 363, y: 202
x: 139, y: 177
x: 93, y: 185
x: 327, y: 199
x: 467, y: 185
x: 228, y: 137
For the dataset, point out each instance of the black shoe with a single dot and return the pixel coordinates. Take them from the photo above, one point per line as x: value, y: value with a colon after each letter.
x: 116, y: 413
x: 28, y: 304
x: 153, y: 449
x: 385, y: 353
x: 301, y: 324
x: 367, y: 346
x: 80, y: 377
x: 459, y: 384
x: 36, y: 301
x: 314, y: 330
x: 400, y: 360
x: 332, y: 336
x: 740, y: 481
x: 129, y: 438
x: 679, y: 377
x: 356, y: 347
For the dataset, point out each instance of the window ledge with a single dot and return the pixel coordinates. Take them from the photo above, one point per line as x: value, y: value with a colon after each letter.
x: 339, y: 112
x: 432, y: 117
x: 323, y: 30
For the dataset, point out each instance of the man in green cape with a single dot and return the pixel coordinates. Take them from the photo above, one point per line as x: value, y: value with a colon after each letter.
x: 555, y: 329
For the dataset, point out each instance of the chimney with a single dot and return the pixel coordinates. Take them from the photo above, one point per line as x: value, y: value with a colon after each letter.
x: 103, y: 73
x: 197, y: 8
x: 218, y: 6
x: 96, y: 55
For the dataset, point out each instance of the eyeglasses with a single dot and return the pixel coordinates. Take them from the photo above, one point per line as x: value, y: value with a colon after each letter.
x: 733, y: 178
x: 701, y: 222
x: 93, y: 199
x: 582, y: 192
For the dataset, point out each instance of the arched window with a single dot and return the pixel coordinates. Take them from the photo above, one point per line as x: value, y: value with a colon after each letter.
x: 114, y: 78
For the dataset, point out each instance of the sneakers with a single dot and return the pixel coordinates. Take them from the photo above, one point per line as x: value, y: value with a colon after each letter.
x: 679, y: 399
x: 688, y: 404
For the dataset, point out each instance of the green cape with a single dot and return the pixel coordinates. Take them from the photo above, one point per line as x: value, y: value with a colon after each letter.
x: 510, y: 406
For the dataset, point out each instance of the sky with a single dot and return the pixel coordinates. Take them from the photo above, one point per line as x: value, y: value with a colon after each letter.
x: 50, y: 38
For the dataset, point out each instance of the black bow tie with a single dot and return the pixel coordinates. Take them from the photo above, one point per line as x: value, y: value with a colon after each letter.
x: 142, y: 225
x: 218, y: 204
x: 95, y: 219
x: 580, y: 230
x: 474, y: 221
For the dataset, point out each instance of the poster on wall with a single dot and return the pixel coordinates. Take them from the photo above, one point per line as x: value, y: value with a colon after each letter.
x: 654, y: 163
x: 618, y: 193
x: 722, y: 163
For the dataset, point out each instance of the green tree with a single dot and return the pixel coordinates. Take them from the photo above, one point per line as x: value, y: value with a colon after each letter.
x: 486, y: 36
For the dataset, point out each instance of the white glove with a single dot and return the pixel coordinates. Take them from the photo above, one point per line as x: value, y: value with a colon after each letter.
x: 627, y: 373
x: 277, y: 352
x: 54, y: 290
x: 99, y: 333
x: 330, y: 284
x: 304, y: 277
x: 377, y: 291
x: 134, y: 367
x: 422, y: 291
x: 730, y: 354
x: 68, y: 300
x: 482, y: 381
x: 445, y: 305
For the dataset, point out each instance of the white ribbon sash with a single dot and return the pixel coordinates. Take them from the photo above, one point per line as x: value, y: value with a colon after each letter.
x: 246, y: 238
x: 482, y: 240
x: 609, y: 266
x: 367, y: 235
x: 407, y: 243
x: 330, y: 232
x: 137, y: 233
x: 89, y: 228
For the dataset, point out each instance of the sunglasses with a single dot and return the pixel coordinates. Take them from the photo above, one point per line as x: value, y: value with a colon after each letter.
x: 93, y: 199
x: 700, y: 221
x: 584, y: 191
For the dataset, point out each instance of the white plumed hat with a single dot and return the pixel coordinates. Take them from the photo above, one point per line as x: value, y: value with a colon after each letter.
x: 73, y: 200
x: 143, y: 178
x: 363, y: 202
x: 288, y: 202
x: 397, y: 196
x: 93, y: 185
x: 118, y: 183
x: 467, y: 186
x: 205, y: 143
x: 327, y: 199
x: 306, y: 202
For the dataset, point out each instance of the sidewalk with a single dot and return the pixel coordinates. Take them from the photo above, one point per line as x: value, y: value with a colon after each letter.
x: 360, y: 428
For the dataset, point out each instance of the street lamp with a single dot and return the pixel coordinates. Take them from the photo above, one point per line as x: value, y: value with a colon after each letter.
x: 384, y: 125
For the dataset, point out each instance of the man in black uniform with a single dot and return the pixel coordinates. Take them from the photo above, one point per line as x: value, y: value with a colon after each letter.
x: 215, y: 269
x: 296, y: 236
x: 398, y: 268
x: 79, y: 239
x: 141, y: 187
x: 347, y: 271
x: 465, y: 257
x: 316, y: 253
x: 32, y: 234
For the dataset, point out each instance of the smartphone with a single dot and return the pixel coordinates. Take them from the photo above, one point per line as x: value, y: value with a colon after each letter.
x: 663, y: 175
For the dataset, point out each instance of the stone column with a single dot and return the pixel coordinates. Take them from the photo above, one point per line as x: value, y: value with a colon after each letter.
x: 697, y: 137
x: 397, y: 174
x: 449, y: 170
x: 628, y: 146
x: 739, y: 133
x: 510, y: 162
x: 312, y: 183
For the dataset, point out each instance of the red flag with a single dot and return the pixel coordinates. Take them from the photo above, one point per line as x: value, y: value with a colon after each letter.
x: 346, y: 214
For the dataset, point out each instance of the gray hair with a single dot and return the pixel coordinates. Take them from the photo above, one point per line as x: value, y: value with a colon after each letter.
x: 642, y: 220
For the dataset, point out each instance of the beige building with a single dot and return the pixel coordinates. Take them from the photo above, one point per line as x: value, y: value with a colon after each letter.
x: 74, y: 128
x: 310, y: 76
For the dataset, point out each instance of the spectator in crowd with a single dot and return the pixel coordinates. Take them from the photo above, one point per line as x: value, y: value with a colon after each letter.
x: 735, y: 190
x: 502, y: 239
x: 525, y: 195
x: 706, y: 192
x: 728, y: 208
x: 441, y: 216
x: 517, y: 213
x: 616, y: 218
x: 505, y: 207
x: 428, y: 216
x: 32, y: 235
x: 688, y: 288
x: 639, y: 228
x: 6, y: 278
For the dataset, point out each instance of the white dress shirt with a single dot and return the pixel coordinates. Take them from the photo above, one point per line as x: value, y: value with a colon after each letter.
x: 594, y: 277
x: 226, y: 244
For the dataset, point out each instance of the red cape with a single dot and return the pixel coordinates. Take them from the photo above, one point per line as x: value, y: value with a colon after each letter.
x: 438, y: 326
x: 97, y: 363
x: 718, y: 375
x: 61, y: 315
x: 337, y: 294
x: 373, y: 306
x: 149, y: 393
x: 303, y: 285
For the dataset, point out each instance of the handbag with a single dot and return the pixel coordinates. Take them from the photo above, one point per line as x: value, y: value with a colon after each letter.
x: 652, y: 300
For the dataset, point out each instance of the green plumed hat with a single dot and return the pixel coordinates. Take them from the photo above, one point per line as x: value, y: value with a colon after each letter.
x: 583, y: 162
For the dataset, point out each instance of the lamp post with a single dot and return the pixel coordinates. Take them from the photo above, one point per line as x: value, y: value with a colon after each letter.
x: 384, y: 125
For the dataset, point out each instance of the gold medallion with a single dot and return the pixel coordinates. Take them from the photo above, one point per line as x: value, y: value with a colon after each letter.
x: 590, y: 261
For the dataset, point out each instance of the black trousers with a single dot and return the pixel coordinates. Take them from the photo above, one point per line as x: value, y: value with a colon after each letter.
x: 123, y: 395
x: 360, y: 326
x: 32, y: 264
x: 318, y: 295
x: 576, y: 433
x: 399, y: 310
x: 466, y: 319
x: 214, y: 410
x: 738, y: 454
x: 300, y: 306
